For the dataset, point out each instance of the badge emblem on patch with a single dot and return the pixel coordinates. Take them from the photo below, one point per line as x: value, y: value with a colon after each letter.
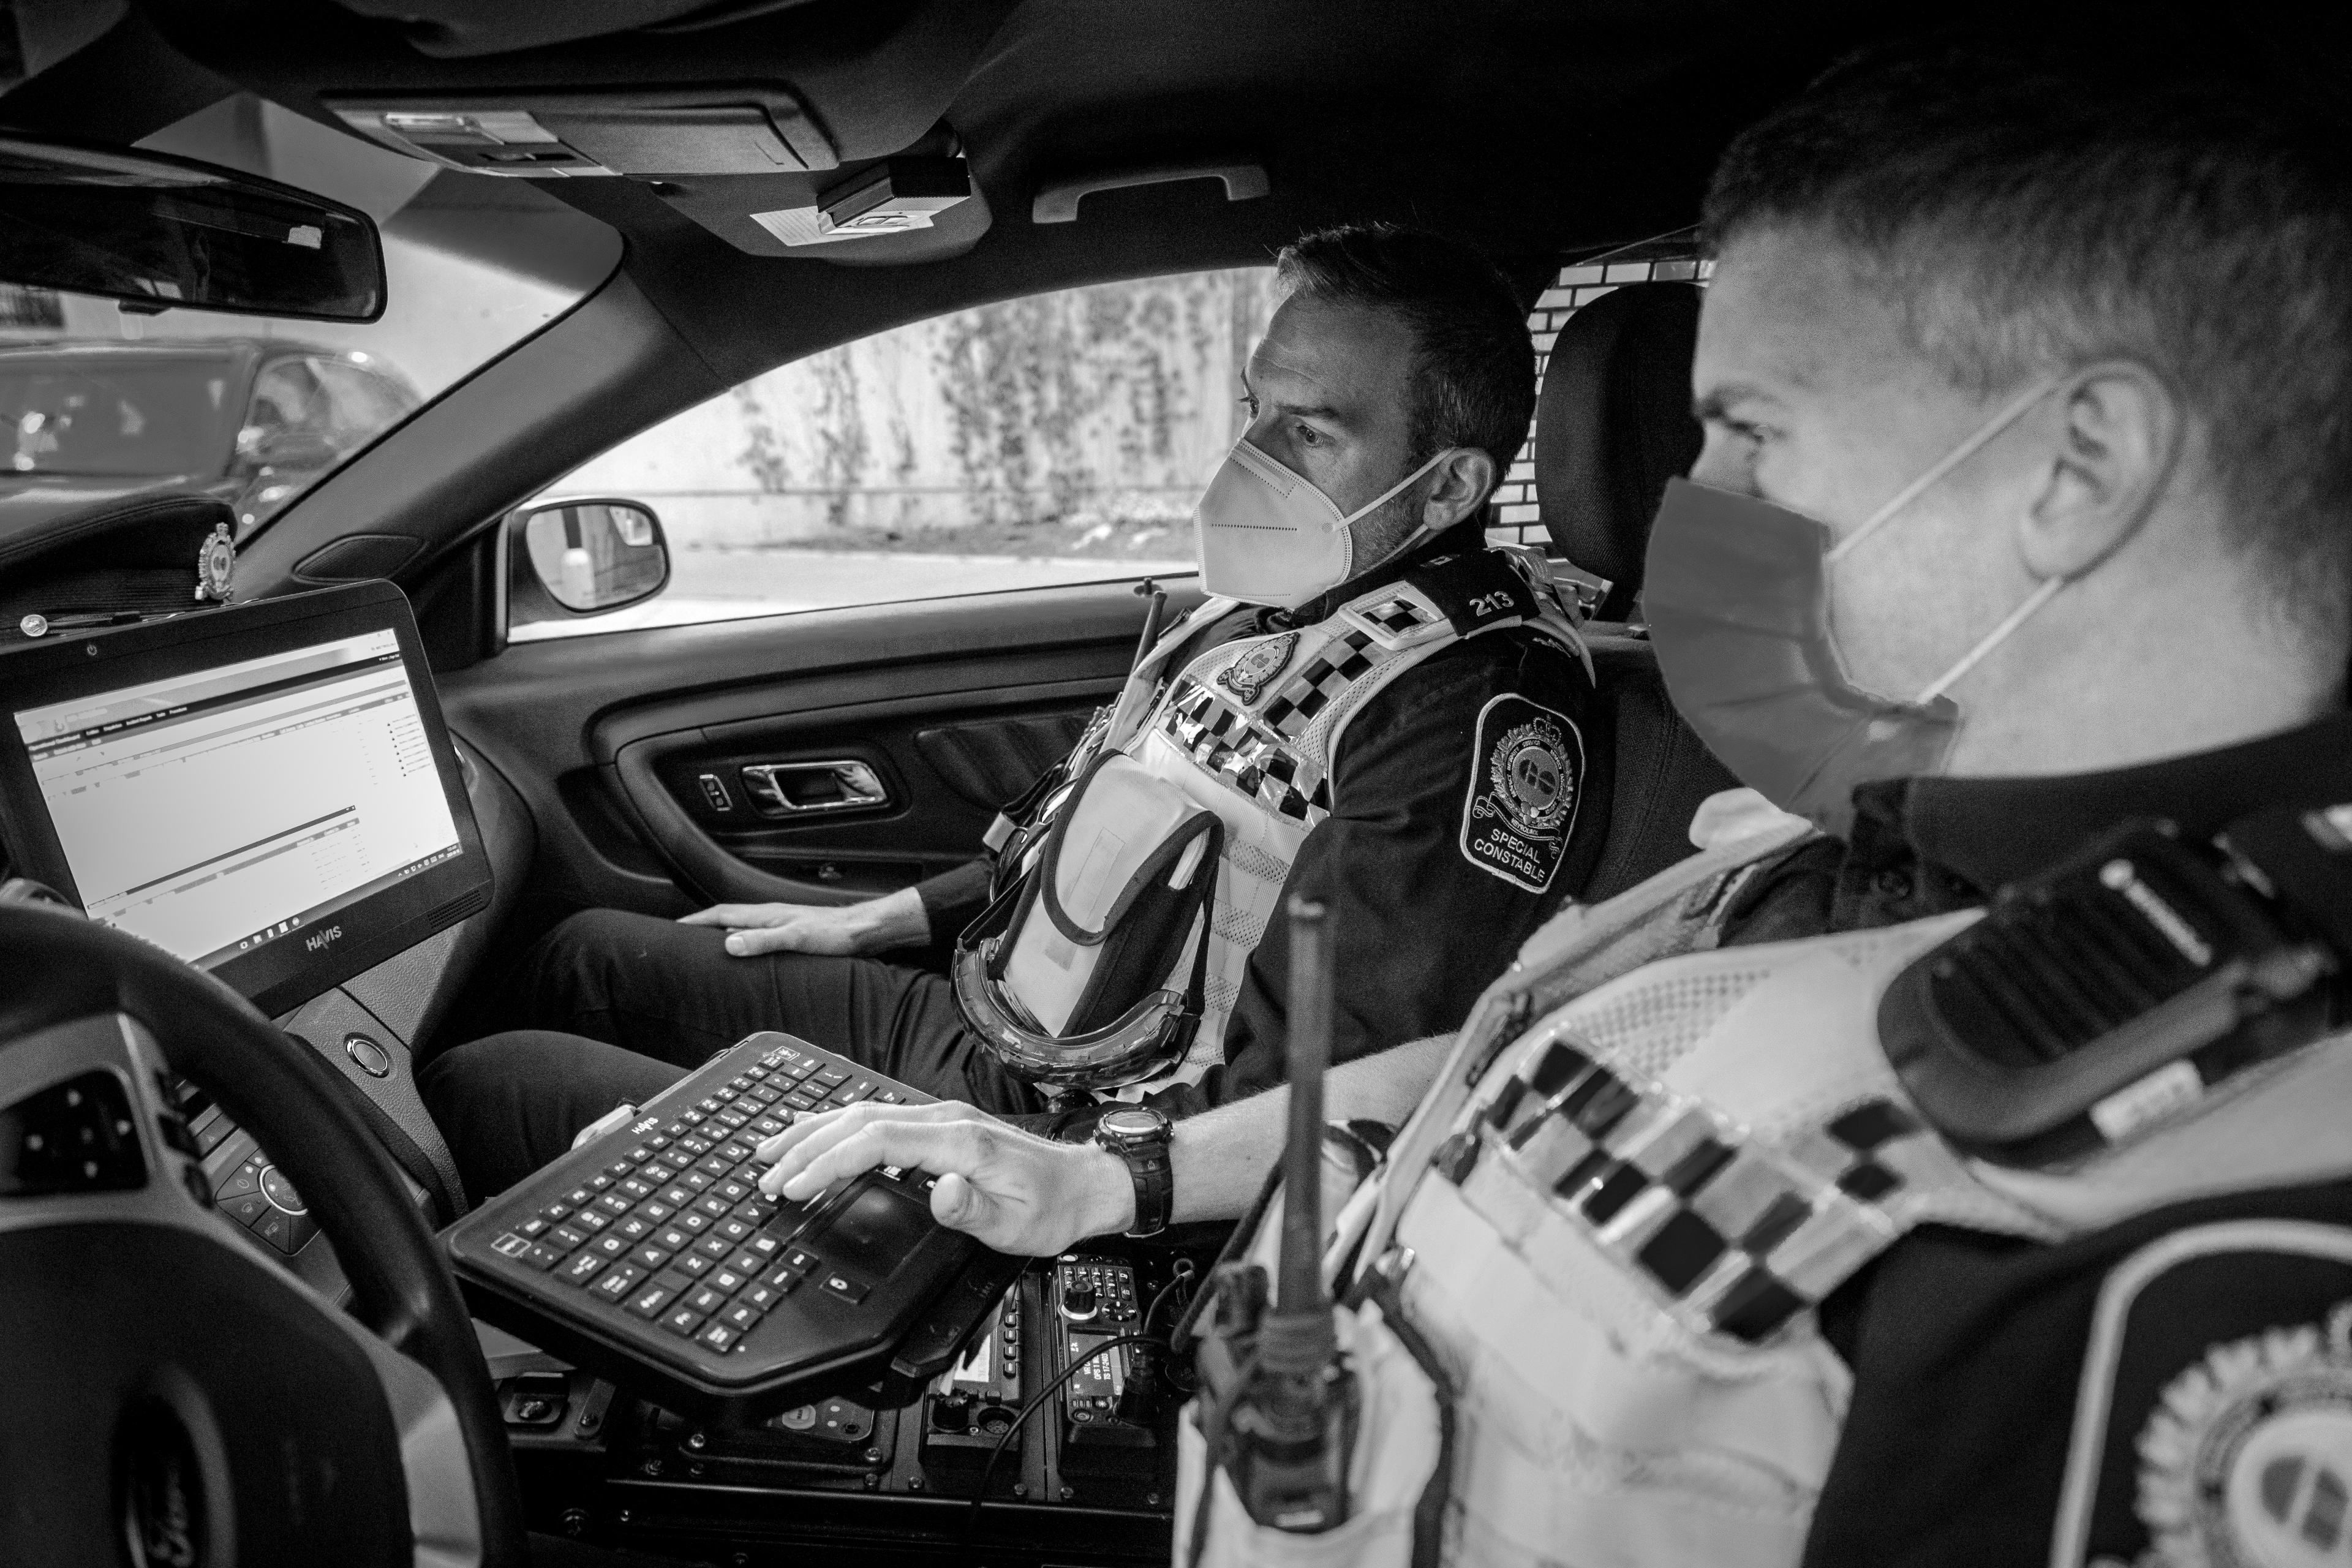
x: 2247, y: 1460
x: 1252, y: 673
x: 1524, y: 794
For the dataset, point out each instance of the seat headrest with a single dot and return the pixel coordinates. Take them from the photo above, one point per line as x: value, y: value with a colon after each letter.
x: 1613, y: 425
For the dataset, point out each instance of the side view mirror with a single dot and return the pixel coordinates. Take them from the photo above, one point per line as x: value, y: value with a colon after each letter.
x: 582, y: 558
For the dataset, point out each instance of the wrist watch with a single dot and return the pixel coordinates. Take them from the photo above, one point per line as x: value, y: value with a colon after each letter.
x: 1138, y: 1135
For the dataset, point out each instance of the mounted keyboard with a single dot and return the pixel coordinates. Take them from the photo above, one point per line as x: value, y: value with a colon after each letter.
x: 651, y: 1257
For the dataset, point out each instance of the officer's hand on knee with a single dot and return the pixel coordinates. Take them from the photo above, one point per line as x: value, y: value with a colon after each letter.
x: 832, y: 931
x: 1013, y: 1190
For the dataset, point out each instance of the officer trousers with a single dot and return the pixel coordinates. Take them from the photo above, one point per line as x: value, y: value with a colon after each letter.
x: 632, y: 1003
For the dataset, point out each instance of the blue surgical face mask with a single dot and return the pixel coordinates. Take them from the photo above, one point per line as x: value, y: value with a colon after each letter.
x: 1736, y: 594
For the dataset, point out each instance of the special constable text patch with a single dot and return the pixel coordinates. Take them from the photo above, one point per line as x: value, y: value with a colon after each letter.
x: 1524, y: 793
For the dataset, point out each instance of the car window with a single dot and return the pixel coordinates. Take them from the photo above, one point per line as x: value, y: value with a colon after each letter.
x: 1060, y: 437
x: 159, y: 416
x: 254, y: 409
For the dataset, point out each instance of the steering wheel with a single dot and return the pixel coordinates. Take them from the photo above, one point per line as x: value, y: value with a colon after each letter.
x: 172, y: 1396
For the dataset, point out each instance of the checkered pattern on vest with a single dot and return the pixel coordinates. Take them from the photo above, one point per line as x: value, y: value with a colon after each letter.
x: 1222, y: 739
x: 1739, y: 1238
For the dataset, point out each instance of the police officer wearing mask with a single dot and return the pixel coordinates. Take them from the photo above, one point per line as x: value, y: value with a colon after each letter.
x: 1373, y: 706
x: 1892, y: 1217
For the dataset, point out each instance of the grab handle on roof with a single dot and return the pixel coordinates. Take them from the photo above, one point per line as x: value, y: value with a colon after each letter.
x: 1058, y: 202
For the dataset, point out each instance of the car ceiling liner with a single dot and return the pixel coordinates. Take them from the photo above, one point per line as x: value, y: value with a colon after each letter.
x: 460, y: 29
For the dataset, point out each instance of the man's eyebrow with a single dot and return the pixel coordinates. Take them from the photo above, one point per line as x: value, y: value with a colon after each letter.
x: 1717, y: 402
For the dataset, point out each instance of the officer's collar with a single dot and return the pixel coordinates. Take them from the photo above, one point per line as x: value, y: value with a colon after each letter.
x: 1995, y: 831
x: 1468, y: 534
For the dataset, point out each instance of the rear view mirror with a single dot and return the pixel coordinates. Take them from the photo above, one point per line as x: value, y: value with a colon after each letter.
x: 587, y: 556
x: 158, y: 232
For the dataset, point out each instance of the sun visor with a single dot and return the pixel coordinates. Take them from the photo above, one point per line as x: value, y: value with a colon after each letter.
x: 889, y: 212
x: 749, y: 129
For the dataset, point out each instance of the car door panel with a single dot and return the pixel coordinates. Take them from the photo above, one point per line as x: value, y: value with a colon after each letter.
x: 946, y: 700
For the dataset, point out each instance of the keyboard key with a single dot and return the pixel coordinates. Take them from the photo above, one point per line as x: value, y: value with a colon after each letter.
x: 565, y: 1239
x: 781, y: 1280
x: 610, y: 1246
x: 649, y: 1301
x: 599, y: 1182
x: 534, y: 1227
x: 717, y: 1337
x: 734, y: 1228
x: 763, y: 1296
x: 712, y: 1204
x: 726, y: 1280
x: 675, y: 1283
x: 617, y: 1204
x: 888, y: 1097
x: 697, y: 1180
x: 850, y: 1290
x: 693, y: 1263
x: 746, y: 1261
x: 542, y: 1257
x: 800, y: 1101
x: 591, y: 1220
x: 692, y: 1119
x: 676, y: 1196
x: 769, y: 1126
x: 682, y: 1322
x: 734, y: 1191
x: 638, y: 1191
x: 852, y: 1093
x: 661, y: 1171
x: 556, y: 1213
x: 658, y: 1140
x: 734, y: 1152
x: 694, y: 1222
x: 656, y: 1211
x: 740, y: 1316
x: 578, y: 1196
x: 706, y: 1300
x: 621, y: 1168
x: 650, y: 1256
x: 696, y: 1147
x: 764, y: 1247
x: 674, y: 1238
x: 583, y: 1267
x: 717, y: 1248
x: 615, y: 1282
x: 637, y: 1228
x: 730, y: 1117
x: 641, y: 1153
x: 831, y: 1076
x: 707, y: 1104
x: 802, y: 1260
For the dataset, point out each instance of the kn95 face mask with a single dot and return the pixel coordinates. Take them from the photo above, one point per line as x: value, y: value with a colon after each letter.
x: 1267, y: 536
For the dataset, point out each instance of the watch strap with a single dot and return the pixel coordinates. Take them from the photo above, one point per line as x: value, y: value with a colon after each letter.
x: 1148, y: 1165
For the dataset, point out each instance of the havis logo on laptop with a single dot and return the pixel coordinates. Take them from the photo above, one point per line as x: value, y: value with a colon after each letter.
x: 318, y: 940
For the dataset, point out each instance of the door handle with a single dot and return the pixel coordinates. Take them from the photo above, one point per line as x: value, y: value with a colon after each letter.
x: 814, y: 789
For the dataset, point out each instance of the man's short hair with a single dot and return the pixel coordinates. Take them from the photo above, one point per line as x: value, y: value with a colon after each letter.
x: 1473, y: 373
x: 2038, y: 202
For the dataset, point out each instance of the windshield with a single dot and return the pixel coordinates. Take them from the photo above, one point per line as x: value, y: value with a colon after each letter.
x: 254, y: 409
x: 175, y: 416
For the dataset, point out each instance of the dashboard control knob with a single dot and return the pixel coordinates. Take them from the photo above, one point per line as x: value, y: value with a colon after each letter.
x: 1080, y: 1303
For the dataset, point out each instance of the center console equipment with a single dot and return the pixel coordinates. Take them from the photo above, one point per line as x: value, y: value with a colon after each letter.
x: 650, y: 1256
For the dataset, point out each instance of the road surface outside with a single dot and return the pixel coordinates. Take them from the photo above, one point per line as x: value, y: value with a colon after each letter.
x: 735, y: 584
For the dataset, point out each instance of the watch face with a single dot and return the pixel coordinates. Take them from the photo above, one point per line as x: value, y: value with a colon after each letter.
x: 1130, y: 1123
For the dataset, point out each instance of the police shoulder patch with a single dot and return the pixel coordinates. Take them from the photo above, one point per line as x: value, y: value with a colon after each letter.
x: 1526, y: 785
x: 2213, y: 1425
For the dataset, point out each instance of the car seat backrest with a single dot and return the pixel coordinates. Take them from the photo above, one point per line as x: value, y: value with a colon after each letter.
x: 1613, y: 425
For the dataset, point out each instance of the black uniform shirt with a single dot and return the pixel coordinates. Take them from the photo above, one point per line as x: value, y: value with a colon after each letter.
x: 1966, y: 1348
x: 1419, y: 926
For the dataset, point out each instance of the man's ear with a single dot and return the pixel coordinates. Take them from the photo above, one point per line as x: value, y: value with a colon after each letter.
x: 2120, y: 431
x: 1459, y: 485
